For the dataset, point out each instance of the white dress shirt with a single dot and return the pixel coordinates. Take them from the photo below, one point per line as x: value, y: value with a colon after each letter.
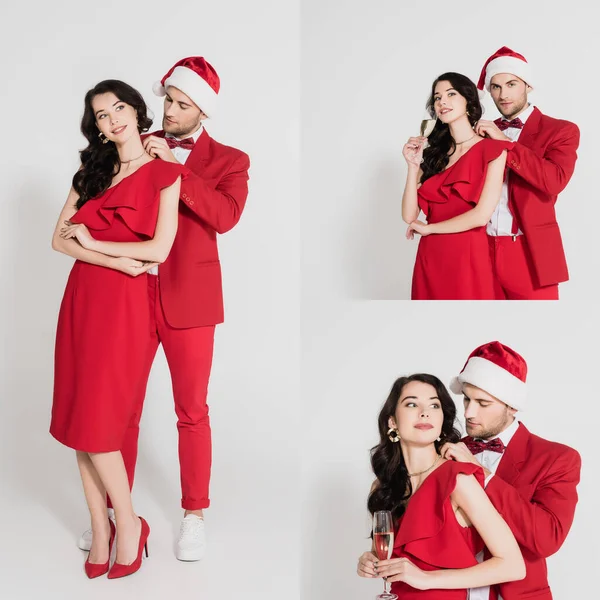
x: 490, y: 461
x: 181, y: 155
x: 501, y: 221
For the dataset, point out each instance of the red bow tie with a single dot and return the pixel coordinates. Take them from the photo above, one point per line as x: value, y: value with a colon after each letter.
x: 477, y: 446
x: 185, y: 143
x: 503, y: 124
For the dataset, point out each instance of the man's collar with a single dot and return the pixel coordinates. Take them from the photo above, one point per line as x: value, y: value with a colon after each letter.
x: 507, y: 435
x: 524, y: 115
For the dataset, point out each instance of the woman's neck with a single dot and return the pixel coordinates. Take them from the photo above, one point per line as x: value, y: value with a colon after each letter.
x: 130, y: 150
x: 461, y: 130
x: 418, y: 458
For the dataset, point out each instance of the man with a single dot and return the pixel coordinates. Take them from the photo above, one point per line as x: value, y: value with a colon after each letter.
x: 185, y: 291
x: 531, y: 481
x: 525, y: 242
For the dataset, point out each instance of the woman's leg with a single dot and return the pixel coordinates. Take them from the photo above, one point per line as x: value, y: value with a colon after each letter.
x: 95, y: 495
x: 112, y: 473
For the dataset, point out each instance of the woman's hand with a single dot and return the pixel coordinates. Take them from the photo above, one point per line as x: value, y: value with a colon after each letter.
x: 132, y: 267
x: 401, y: 569
x: 413, y: 151
x: 78, y: 231
x: 366, y: 565
x: 423, y: 229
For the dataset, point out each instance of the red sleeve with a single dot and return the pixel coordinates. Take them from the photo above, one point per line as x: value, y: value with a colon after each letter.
x: 219, y: 204
x: 551, y: 172
x: 541, y: 524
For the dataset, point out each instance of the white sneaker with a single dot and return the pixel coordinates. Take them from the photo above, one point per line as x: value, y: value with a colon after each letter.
x: 191, y: 544
x: 85, y: 541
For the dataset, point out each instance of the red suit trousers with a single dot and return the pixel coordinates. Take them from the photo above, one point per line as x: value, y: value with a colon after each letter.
x: 512, y: 272
x: 189, y: 356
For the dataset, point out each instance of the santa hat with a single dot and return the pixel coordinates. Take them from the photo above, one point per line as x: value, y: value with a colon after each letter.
x: 504, y: 61
x: 197, y: 79
x: 498, y: 370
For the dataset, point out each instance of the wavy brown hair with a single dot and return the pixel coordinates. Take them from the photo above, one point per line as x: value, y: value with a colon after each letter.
x: 441, y: 144
x: 100, y: 162
x: 393, y: 487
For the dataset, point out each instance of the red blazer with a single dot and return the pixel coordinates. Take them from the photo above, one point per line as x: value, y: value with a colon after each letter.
x: 542, y: 162
x: 212, y: 200
x: 534, y: 489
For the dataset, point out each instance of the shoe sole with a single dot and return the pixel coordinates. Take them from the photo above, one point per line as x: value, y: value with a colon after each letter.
x: 190, y: 556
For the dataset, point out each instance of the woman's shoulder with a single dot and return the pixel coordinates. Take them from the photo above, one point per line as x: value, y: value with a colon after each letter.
x: 450, y: 470
x: 484, y: 151
x: 495, y: 147
x: 162, y: 173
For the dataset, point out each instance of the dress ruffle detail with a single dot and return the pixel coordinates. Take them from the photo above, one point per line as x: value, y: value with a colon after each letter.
x: 137, y: 201
x: 459, y: 178
x: 423, y: 533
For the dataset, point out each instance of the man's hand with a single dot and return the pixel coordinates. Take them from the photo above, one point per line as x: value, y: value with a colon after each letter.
x: 158, y: 148
x: 490, y: 130
x: 460, y: 453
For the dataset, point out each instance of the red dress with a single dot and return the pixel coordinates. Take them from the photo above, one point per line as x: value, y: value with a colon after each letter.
x: 104, y: 321
x: 456, y: 266
x: 430, y: 536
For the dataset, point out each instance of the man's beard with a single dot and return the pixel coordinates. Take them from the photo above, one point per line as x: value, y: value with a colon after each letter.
x: 177, y: 130
x: 515, y: 111
x: 494, y: 429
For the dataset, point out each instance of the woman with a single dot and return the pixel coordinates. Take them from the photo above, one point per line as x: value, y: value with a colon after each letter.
x: 442, y: 515
x: 456, y: 181
x: 119, y: 220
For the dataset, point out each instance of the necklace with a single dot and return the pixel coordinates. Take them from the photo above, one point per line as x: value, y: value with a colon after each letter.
x: 425, y: 471
x: 126, y: 162
x: 464, y: 141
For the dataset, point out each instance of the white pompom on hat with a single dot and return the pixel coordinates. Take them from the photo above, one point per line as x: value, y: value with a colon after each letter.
x: 499, y: 371
x: 197, y: 79
x: 504, y: 60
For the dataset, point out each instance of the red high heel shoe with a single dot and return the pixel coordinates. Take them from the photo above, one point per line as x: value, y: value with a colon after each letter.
x: 93, y: 570
x: 119, y: 570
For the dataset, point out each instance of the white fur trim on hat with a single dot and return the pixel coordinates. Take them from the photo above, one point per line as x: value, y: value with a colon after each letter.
x: 192, y: 85
x: 508, y: 64
x: 494, y: 380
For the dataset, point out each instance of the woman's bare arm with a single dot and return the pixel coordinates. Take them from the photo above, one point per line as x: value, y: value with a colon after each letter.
x: 157, y: 249
x: 72, y: 247
x: 410, y: 203
x: 506, y: 562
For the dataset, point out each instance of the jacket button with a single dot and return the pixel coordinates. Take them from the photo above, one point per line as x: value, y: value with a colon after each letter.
x: 191, y: 202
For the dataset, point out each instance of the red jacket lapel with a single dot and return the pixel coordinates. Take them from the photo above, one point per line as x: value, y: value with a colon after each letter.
x: 514, y: 455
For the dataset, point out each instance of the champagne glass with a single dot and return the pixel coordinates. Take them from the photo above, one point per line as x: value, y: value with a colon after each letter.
x: 383, y: 542
x: 427, y: 125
